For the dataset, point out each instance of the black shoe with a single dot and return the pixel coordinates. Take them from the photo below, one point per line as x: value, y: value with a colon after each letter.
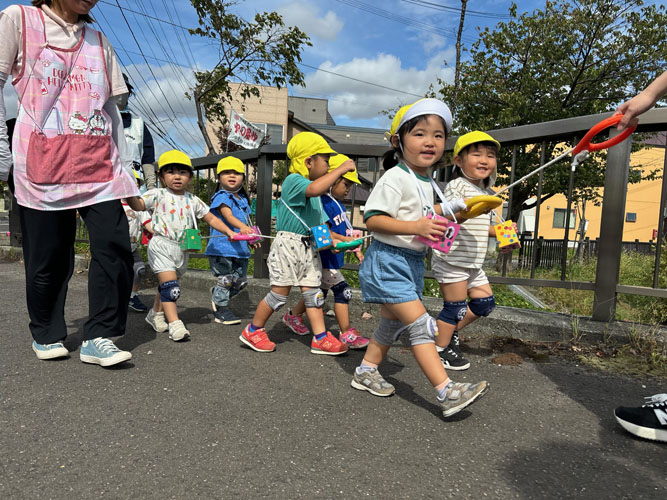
x: 137, y: 305
x: 452, y: 357
x: 226, y: 317
x: 648, y: 421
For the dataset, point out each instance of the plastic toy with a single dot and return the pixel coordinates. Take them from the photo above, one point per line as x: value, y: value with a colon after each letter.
x: 252, y: 238
x: 477, y: 205
x: 190, y: 240
x: 348, y: 245
x: 444, y: 244
x: 321, y: 237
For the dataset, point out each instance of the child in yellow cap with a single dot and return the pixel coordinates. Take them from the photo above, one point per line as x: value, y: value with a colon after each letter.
x: 174, y: 210
x: 229, y: 259
x: 293, y: 261
x: 459, y: 272
x: 332, y: 278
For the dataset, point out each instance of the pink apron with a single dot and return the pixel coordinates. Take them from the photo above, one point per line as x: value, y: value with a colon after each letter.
x: 64, y: 156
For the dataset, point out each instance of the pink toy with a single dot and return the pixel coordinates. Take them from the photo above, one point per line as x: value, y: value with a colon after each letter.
x: 445, y: 242
x: 250, y: 238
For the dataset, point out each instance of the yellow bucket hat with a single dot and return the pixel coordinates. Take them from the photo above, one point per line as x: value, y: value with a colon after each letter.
x: 421, y: 107
x: 336, y: 161
x: 471, y: 138
x: 174, y: 157
x: 303, y: 145
x: 231, y: 163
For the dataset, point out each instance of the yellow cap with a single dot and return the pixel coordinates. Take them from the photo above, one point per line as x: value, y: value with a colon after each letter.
x: 303, y: 145
x: 231, y: 163
x: 337, y: 161
x: 174, y: 157
x: 471, y: 138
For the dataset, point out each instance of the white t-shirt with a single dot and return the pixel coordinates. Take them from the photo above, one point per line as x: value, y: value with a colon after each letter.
x: 172, y: 213
x: 469, y: 247
x: 396, y: 195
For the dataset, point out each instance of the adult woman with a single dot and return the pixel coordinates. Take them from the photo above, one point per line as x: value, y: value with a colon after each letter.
x: 66, y: 160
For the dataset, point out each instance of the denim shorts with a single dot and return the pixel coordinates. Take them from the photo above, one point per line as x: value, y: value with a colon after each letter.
x: 391, y: 275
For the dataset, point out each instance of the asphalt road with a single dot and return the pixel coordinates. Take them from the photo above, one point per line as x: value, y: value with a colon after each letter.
x: 211, y: 419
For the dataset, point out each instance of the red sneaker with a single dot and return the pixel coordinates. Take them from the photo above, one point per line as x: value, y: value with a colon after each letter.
x: 354, y: 339
x: 257, y: 340
x: 328, y: 345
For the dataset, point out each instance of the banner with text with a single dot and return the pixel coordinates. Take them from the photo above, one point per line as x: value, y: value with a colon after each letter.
x: 244, y: 133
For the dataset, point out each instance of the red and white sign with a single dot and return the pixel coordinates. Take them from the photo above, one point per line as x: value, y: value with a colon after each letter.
x: 244, y: 133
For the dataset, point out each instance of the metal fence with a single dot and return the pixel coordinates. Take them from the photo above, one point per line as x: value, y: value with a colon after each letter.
x: 607, y: 248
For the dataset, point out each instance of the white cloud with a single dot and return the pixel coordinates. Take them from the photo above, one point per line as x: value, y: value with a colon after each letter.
x: 305, y: 16
x: 351, y: 100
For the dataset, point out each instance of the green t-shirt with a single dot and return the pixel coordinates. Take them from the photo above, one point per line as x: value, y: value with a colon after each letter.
x: 309, y: 209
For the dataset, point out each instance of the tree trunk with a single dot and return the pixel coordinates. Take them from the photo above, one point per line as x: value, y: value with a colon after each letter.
x: 202, y: 125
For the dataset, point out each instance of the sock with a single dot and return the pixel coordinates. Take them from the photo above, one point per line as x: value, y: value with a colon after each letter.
x: 366, y: 366
x: 252, y: 328
x: 320, y: 336
x: 441, y: 389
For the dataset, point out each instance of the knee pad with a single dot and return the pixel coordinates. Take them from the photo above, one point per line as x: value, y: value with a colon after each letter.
x: 482, y: 307
x: 225, y: 281
x: 313, y: 298
x: 139, y: 270
x: 423, y: 330
x: 274, y: 300
x: 342, y: 293
x: 388, y: 331
x: 240, y: 282
x: 453, y: 312
x: 169, y: 291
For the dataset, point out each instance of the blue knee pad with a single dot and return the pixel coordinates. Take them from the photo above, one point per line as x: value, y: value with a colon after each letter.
x: 453, y: 312
x: 169, y: 291
x: 482, y: 307
x: 240, y: 282
x: 342, y: 293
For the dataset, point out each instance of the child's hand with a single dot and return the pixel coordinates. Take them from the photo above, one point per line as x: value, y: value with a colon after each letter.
x: 246, y: 230
x: 432, y: 229
x: 230, y: 233
x: 359, y: 255
x: 256, y: 245
x: 347, y: 166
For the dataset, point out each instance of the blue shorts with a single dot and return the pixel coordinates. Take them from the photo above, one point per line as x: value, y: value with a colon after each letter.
x: 391, y: 275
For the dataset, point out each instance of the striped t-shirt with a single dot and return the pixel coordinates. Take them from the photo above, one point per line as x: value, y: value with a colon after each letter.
x: 469, y: 247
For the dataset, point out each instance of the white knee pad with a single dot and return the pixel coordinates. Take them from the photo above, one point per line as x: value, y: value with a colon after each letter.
x: 422, y: 330
x: 139, y: 270
x: 388, y: 331
x: 313, y: 298
x: 274, y: 300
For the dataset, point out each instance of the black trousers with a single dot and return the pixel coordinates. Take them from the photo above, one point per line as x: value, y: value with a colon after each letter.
x: 48, y: 251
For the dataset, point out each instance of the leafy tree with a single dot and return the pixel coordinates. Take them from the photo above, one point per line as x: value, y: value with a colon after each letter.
x: 571, y: 58
x: 261, y: 52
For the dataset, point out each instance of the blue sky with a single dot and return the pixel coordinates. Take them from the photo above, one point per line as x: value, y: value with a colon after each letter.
x: 400, y: 44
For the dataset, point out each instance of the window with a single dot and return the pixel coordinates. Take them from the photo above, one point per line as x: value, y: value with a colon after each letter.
x: 275, y: 133
x: 631, y: 217
x: 559, y: 218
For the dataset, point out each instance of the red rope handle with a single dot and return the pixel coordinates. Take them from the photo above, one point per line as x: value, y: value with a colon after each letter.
x: 586, y: 144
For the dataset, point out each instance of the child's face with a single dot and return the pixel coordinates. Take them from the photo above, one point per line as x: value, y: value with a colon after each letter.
x: 341, y: 188
x: 175, y: 178
x: 230, y: 180
x: 318, y: 165
x: 477, y: 162
x: 425, y: 144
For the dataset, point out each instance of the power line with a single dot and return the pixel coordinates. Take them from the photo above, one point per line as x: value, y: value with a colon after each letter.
x: 476, y: 13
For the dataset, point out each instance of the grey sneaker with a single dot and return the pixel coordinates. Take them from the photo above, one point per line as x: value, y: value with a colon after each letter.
x: 177, y: 331
x: 460, y: 395
x: 372, y: 382
x: 157, y: 321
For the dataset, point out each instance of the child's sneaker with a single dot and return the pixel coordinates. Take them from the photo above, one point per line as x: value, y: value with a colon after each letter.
x: 329, y: 345
x: 648, y: 421
x: 460, y: 395
x: 50, y: 351
x: 295, y: 323
x: 226, y: 317
x: 257, y: 340
x: 137, y: 305
x: 353, y: 339
x: 157, y: 321
x: 372, y: 382
x: 177, y: 331
x: 103, y: 352
x: 452, y: 357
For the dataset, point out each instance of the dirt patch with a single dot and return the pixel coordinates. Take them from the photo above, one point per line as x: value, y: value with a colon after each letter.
x: 508, y: 358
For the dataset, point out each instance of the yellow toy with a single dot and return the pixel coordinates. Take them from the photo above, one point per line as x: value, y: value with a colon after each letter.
x: 506, y: 235
x: 477, y: 205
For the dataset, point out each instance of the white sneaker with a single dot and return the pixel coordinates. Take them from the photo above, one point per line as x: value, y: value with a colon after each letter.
x: 157, y: 321
x: 177, y: 331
